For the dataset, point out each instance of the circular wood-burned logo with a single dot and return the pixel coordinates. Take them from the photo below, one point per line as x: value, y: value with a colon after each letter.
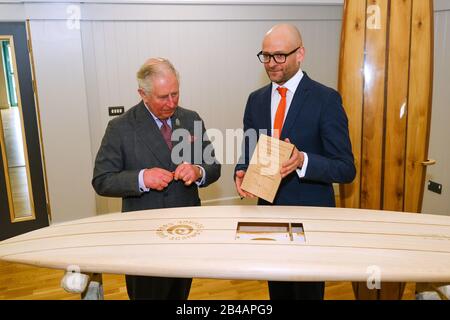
x: 180, y: 230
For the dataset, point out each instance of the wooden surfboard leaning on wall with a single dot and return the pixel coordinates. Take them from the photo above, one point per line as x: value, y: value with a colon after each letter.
x: 386, y: 82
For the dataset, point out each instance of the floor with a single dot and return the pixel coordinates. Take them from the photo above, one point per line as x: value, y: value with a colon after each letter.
x: 24, y: 282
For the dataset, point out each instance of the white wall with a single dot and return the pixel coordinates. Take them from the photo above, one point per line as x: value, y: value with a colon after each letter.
x: 80, y: 72
x: 207, y: 35
x: 216, y: 60
x: 440, y: 129
x: 441, y: 5
x: 65, y: 129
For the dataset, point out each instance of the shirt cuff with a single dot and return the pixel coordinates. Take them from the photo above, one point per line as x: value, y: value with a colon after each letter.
x: 142, y: 186
x: 202, y: 181
x: 302, y: 171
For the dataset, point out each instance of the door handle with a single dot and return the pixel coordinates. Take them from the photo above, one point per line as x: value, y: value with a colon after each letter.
x: 429, y: 162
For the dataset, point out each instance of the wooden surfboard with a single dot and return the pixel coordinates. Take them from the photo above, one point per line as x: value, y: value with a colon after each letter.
x: 246, y: 242
x: 385, y: 79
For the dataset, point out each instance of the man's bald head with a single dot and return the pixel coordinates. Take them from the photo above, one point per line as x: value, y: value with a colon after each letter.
x: 283, y: 39
x: 285, y: 32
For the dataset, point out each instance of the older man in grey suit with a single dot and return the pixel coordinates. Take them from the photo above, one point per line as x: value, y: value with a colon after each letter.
x: 137, y: 162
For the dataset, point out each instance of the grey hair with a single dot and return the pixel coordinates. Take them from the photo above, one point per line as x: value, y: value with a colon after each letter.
x: 152, y: 68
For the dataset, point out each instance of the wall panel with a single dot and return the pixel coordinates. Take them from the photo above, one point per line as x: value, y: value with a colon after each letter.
x: 440, y: 129
x: 214, y: 46
x: 216, y: 60
x: 64, y: 118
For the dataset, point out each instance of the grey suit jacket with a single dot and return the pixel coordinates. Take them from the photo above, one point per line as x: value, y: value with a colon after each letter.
x: 133, y: 142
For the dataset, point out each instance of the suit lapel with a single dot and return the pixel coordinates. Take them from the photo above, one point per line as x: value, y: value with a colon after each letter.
x: 266, y: 109
x: 148, y: 133
x: 298, y: 101
x: 176, y: 124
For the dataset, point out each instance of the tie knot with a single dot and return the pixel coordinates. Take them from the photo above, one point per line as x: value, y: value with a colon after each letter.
x: 282, y: 91
x: 164, y: 122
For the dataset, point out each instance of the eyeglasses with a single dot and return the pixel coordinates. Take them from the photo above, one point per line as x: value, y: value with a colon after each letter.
x: 277, y: 57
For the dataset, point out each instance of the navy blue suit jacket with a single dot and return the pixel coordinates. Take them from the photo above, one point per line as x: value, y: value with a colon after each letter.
x: 316, y: 124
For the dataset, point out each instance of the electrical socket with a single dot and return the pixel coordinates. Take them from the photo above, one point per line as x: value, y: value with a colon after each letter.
x: 116, y: 110
x: 435, y: 187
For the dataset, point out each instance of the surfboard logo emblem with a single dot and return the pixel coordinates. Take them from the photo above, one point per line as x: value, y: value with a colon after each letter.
x: 180, y: 230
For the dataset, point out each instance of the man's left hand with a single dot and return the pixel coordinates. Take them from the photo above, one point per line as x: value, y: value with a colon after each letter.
x: 294, y: 163
x: 187, y: 172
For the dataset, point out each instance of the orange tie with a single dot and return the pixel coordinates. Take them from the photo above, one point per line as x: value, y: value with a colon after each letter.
x: 279, y: 116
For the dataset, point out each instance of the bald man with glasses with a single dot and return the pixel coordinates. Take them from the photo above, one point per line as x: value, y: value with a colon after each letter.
x: 299, y: 110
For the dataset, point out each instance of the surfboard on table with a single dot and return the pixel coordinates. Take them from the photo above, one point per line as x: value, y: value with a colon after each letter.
x: 386, y: 82
x: 245, y: 242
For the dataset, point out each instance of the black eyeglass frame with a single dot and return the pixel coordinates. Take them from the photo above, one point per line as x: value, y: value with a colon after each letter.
x: 260, y: 56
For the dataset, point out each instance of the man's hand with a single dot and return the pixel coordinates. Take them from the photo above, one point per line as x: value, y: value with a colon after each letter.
x: 238, y: 181
x: 187, y: 172
x: 157, y: 178
x: 294, y: 163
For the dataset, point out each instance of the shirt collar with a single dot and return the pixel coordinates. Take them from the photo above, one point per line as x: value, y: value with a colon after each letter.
x: 291, y: 84
x: 158, y: 121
